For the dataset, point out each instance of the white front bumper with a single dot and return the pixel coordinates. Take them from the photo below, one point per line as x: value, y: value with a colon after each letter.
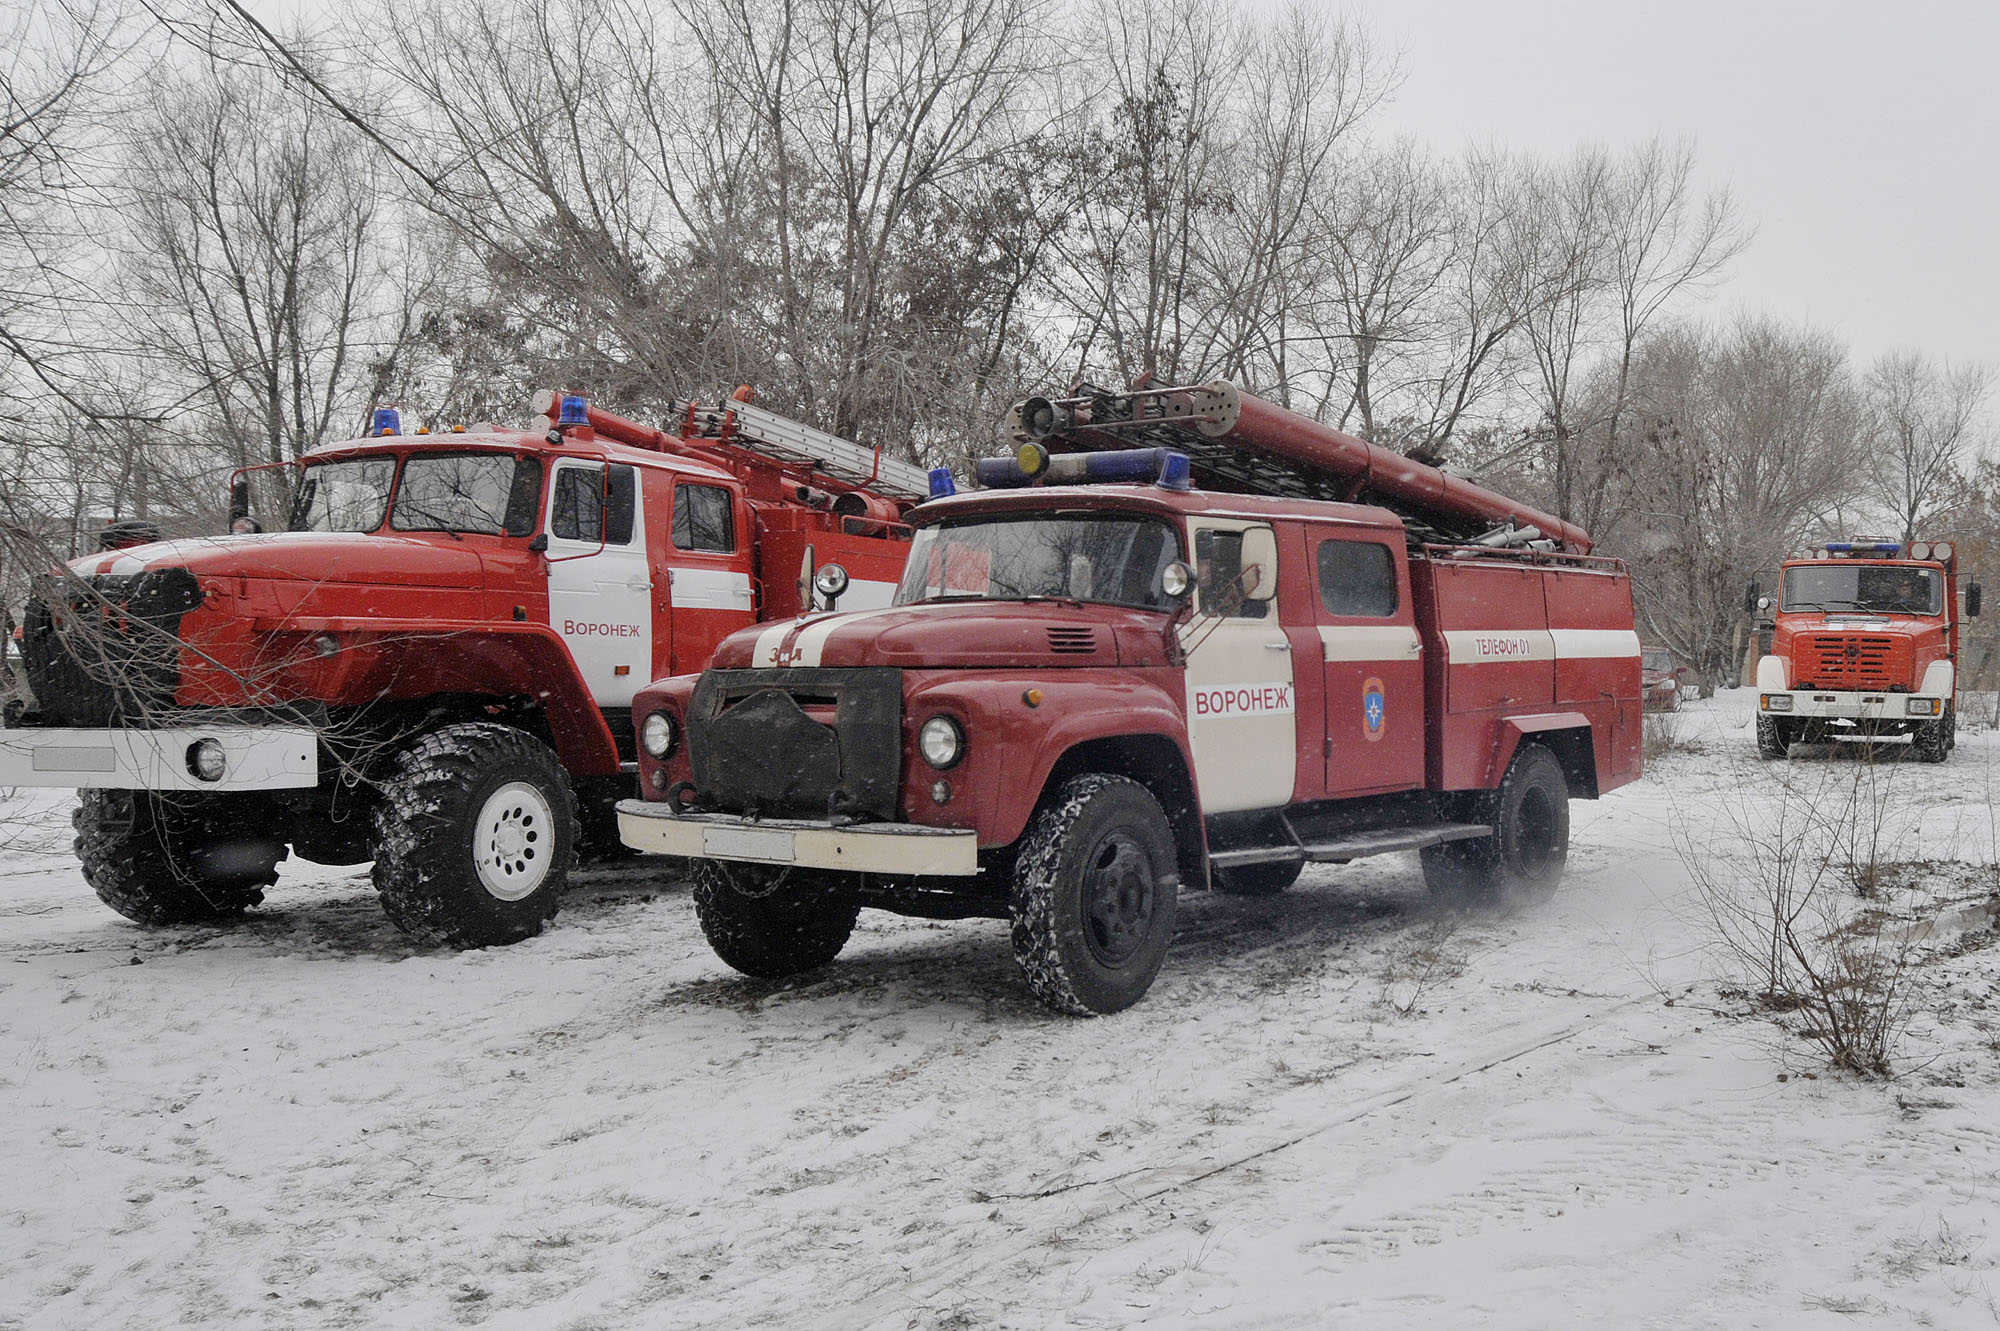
x: 898, y: 848
x: 1820, y: 704
x: 255, y: 758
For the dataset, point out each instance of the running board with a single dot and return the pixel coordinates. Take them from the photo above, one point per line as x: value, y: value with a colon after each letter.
x: 1355, y: 847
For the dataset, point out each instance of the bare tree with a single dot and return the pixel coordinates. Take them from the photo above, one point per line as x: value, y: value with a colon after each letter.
x: 265, y: 259
x: 1751, y: 434
x: 1924, y: 415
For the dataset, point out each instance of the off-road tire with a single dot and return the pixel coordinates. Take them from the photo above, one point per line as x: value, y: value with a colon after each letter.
x: 1930, y: 742
x: 161, y: 860
x: 447, y: 801
x: 1094, y: 895
x: 1256, y: 880
x: 773, y: 920
x: 1522, y: 862
x: 1773, y: 741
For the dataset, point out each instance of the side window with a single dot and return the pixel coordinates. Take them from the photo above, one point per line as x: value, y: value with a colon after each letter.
x: 1357, y: 578
x: 580, y: 500
x: 1218, y: 576
x: 702, y: 519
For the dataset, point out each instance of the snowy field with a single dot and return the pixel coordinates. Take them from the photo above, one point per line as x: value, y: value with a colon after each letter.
x: 1336, y: 1108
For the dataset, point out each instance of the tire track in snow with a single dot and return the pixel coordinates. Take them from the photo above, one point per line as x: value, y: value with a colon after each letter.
x: 1132, y: 1188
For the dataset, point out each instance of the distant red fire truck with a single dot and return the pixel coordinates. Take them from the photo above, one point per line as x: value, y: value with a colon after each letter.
x: 1865, y: 644
x: 434, y: 666
x: 1098, y: 687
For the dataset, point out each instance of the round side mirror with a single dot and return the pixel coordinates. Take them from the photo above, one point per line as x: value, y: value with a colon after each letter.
x: 1763, y: 603
x: 1176, y: 579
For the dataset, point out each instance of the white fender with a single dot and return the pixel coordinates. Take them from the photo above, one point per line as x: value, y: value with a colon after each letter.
x: 1771, y: 674
x: 1937, y: 679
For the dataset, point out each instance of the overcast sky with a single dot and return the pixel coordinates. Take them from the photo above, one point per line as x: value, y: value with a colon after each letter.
x: 1862, y: 140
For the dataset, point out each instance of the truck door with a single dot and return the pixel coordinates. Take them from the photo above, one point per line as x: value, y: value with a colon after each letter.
x: 1242, y: 705
x: 1373, y: 663
x: 711, y: 577
x: 600, y: 590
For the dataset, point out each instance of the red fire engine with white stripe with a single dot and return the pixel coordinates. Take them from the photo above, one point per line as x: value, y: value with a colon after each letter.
x: 1100, y: 686
x: 433, y: 666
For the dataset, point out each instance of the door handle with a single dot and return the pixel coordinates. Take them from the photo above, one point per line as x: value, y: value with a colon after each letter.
x: 640, y: 586
x: 1277, y: 646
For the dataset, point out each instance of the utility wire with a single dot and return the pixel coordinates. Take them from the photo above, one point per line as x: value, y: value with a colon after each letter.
x: 326, y: 94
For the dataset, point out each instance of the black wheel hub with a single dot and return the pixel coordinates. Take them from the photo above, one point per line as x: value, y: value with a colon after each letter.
x: 1120, y: 899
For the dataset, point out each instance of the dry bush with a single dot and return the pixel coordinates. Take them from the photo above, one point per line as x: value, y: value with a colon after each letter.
x: 1663, y: 734
x: 1781, y: 894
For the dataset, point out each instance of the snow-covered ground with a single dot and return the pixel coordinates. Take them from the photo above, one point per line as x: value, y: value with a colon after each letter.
x: 1336, y: 1108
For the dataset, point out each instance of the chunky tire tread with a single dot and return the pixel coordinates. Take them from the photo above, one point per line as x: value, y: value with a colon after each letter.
x: 1047, y: 906
x: 148, y: 857
x: 1932, y: 742
x: 1489, y: 872
x: 771, y: 922
x: 1772, y: 741
x: 424, y: 871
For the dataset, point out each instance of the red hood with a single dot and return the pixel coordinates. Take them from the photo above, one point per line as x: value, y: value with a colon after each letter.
x: 976, y: 634
x: 305, y: 556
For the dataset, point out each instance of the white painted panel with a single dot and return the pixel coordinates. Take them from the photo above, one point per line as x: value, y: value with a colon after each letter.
x: 1242, y: 712
x: 711, y: 589
x: 1580, y: 644
x: 1385, y: 642
x: 1480, y: 646
x: 601, y: 605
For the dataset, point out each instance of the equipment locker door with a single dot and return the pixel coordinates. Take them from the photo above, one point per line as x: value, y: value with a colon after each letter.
x: 600, y: 588
x: 1242, y: 704
x: 1373, y: 663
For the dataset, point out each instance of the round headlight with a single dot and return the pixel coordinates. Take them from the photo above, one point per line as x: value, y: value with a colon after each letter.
x: 206, y: 761
x: 1920, y: 549
x: 656, y: 734
x: 830, y: 581
x: 1941, y: 552
x: 941, y: 742
x: 1175, y: 579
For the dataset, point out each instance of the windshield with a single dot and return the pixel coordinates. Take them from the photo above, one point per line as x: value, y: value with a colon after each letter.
x: 486, y: 493
x: 1109, y: 558
x: 1657, y: 658
x: 1876, y: 588
x: 343, y: 496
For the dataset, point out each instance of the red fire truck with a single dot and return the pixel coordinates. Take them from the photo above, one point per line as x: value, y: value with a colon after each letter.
x: 434, y: 666
x: 1099, y: 686
x: 1865, y: 644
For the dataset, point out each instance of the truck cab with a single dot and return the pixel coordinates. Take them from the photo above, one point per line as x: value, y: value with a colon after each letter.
x: 1089, y: 697
x: 432, y: 666
x: 1865, y: 644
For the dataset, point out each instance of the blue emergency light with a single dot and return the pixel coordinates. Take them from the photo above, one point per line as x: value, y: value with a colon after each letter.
x: 386, y: 420
x: 942, y: 485
x: 1870, y: 547
x: 575, y: 410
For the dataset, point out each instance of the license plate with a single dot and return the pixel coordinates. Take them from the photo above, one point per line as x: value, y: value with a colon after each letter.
x: 748, y: 843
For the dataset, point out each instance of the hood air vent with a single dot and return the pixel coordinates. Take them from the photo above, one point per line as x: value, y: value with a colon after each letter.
x: 1073, y: 641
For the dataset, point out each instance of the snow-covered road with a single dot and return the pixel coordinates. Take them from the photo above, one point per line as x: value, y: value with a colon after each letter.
x: 1335, y: 1108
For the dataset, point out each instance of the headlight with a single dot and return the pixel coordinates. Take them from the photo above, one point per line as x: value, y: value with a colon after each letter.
x: 830, y: 581
x: 206, y: 761
x: 1921, y: 707
x: 941, y: 742
x: 1777, y: 702
x: 1920, y: 549
x: 656, y: 734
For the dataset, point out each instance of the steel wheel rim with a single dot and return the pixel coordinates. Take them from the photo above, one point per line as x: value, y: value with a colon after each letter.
x: 1120, y: 900
x: 513, y: 841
